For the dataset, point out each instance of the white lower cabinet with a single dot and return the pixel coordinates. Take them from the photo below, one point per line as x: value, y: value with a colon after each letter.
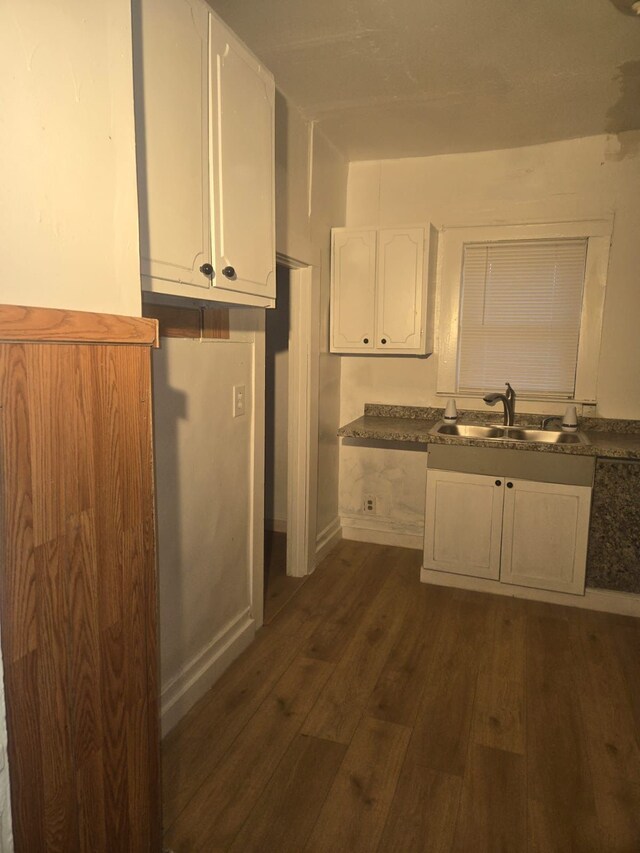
x: 516, y: 531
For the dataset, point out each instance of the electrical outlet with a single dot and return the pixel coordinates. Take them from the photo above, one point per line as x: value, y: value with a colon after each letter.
x: 238, y: 401
x: 369, y: 504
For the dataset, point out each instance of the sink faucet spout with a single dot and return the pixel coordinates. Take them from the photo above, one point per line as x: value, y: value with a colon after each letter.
x: 508, y: 401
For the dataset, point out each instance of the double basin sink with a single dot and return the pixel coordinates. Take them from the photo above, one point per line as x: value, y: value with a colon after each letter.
x: 508, y: 433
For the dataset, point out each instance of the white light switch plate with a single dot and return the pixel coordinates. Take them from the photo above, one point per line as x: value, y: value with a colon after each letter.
x: 238, y: 401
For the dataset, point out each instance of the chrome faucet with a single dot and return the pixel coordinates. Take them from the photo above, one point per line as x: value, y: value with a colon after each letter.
x: 508, y: 401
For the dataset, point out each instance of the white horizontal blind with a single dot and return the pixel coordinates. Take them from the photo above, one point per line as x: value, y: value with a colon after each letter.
x: 521, y: 303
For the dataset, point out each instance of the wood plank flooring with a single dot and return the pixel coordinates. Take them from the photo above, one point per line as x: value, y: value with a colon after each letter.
x: 376, y: 713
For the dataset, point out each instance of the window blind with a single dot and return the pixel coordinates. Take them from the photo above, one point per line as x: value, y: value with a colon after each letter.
x: 521, y: 304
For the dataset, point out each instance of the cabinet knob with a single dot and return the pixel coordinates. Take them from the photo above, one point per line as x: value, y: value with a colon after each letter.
x: 207, y: 269
x: 365, y: 340
x: 509, y: 485
x: 498, y: 482
x: 383, y: 341
x: 229, y: 272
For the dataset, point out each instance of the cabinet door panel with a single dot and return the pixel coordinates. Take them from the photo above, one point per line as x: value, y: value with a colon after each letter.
x: 244, y: 188
x: 172, y: 140
x: 353, y: 282
x: 544, y: 539
x: 463, y: 520
x: 400, y: 288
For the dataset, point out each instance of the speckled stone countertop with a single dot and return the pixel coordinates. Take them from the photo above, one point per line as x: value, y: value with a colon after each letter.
x: 607, y: 438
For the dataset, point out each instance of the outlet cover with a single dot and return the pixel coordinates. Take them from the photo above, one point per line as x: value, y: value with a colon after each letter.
x: 369, y: 504
x: 238, y: 401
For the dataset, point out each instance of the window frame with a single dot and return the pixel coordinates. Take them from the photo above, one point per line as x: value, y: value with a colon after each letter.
x: 452, y: 240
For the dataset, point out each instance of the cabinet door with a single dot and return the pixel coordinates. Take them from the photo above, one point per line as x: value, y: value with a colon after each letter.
x: 353, y: 281
x: 172, y: 125
x: 463, y: 519
x: 400, y: 292
x: 244, y: 167
x: 544, y: 537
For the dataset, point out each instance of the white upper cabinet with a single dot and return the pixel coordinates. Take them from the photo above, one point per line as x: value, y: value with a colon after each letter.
x: 173, y: 142
x: 206, y: 161
x: 244, y: 169
x: 353, y: 277
x: 379, y: 290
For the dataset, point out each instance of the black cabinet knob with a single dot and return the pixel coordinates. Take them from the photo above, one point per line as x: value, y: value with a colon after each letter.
x: 498, y: 482
x: 207, y: 269
x: 509, y: 485
x: 229, y: 272
x: 365, y: 340
x: 383, y: 341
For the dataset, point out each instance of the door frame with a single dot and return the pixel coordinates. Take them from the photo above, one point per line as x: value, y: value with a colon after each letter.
x: 302, y: 418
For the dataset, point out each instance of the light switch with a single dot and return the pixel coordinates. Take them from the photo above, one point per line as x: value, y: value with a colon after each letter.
x: 238, y: 401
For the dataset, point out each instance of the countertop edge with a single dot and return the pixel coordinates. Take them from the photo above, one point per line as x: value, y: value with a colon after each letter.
x: 379, y: 428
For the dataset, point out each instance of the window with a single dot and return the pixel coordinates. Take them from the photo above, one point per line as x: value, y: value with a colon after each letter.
x: 522, y: 304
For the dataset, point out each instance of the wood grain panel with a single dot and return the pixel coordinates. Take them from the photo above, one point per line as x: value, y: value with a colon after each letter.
x: 19, y: 628
x: 78, y: 604
x: 441, y: 734
x: 22, y: 323
x: 338, y: 711
x: 60, y: 818
x: 193, y: 750
x: 175, y: 322
x: 560, y: 788
x: 284, y: 816
x: 215, y: 323
x: 221, y: 805
x: 463, y: 783
x: 354, y: 814
x: 422, y: 817
x: 493, y: 808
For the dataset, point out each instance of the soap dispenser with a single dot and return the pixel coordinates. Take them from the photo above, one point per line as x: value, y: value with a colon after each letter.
x: 570, y: 420
x: 451, y: 412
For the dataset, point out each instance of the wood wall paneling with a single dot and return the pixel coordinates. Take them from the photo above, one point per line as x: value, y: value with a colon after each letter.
x: 183, y: 322
x: 22, y: 323
x: 78, y: 594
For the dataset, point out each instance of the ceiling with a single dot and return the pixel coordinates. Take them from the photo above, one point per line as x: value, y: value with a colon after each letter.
x: 401, y: 78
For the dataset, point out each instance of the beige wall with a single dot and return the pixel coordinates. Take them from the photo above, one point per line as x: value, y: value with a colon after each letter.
x: 206, y: 533
x: 311, y: 199
x: 578, y: 179
x: 204, y: 478
x: 328, y: 199
x: 69, y: 218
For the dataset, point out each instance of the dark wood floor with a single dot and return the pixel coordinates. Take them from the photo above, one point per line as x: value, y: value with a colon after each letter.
x: 278, y: 586
x: 375, y: 713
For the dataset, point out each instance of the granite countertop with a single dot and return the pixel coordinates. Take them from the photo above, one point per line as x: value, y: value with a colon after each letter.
x: 607, y: 438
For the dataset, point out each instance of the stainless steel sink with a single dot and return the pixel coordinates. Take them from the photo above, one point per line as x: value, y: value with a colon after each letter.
x: 505, y: 433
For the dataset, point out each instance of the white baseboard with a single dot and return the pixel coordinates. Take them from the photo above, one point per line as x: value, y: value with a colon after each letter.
x: 382, y: 531
x: 609, y: 601
x: 327, y: 539
x: 277, y: 525
x: 182, y: 691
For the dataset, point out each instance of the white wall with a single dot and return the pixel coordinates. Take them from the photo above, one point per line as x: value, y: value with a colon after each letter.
x: 328, y: 200
x: 577, y: 179
x: 204, y: 506
x: 69, y: 218
x: 311, y: 183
